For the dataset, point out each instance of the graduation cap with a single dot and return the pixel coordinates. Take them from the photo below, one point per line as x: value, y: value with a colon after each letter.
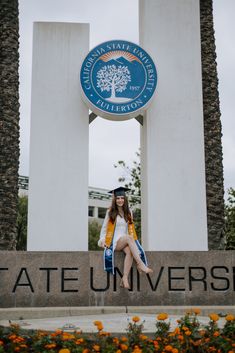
x: 120, y: 191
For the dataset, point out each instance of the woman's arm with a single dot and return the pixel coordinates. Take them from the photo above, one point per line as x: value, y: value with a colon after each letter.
x: 101, y: 241
x: 131, y: 212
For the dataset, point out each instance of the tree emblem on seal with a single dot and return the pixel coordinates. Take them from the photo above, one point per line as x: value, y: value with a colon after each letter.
x: 113, y: 78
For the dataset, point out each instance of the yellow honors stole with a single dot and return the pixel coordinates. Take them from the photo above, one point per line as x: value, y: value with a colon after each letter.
x: 111, y: 229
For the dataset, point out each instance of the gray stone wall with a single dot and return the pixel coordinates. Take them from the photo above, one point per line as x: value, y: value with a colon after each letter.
x: 39, y: 279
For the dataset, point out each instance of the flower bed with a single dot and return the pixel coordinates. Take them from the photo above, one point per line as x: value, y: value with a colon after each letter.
x: 188, y: 336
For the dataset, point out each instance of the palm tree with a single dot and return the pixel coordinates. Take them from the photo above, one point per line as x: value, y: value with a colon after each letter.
x: 9, y: 122
x: 212, y: 129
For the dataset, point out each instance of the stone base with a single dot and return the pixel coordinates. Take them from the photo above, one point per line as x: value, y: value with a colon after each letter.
x: 63, y: 279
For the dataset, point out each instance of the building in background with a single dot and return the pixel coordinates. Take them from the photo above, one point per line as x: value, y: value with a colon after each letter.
x: 98, y: 199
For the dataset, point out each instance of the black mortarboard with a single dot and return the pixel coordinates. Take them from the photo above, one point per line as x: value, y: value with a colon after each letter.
x: 120, y: 191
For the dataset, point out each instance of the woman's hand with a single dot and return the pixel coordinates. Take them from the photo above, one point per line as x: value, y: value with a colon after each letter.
x: 101, y: 243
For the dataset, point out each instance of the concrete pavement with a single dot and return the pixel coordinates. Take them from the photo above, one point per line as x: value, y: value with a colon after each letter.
x: 114, y: 319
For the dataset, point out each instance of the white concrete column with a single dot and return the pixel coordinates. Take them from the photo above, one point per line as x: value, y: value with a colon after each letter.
x: 173, y: 165
x: 58, y: 179
x: 95, y: 213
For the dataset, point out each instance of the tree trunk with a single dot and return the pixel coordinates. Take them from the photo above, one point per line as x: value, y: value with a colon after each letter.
x: 9, y: 122
x: 212, y: 130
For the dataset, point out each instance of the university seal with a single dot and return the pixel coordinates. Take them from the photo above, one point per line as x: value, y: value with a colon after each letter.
x: 118, y: 80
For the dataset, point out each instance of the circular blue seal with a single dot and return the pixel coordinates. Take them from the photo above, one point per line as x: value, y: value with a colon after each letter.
x: 118, y: 79
x: 108, y: 252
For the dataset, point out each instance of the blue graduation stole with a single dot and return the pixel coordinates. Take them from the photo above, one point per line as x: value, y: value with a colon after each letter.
x: 109, y: 259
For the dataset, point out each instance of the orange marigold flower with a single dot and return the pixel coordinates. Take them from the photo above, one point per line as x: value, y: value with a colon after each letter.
x: 123, y: 347
x: 188, y: 333
x: 143, y: 337
x: 19, y: 339
x: 229, y: 317
x: 216, y: 334
x: 57, y: 333
x: 50, y: 345
x: 230, y: 351
x: 67, y: 336
x: 12, y: 337
x: 180, y: 337
x: 64, y: 350
x: 177, y: 331
x: 100, y: 327
x: 175, y: 350
x: 86, y: 350
x: 119, y: 351
x: 185, y: 328
x: 196, y: 311
x: 124, y: 339
x: 79, y: 341
x: 96, y: 348
x: 137, y: 349
x: 23, y: 346
x: 17, y: 349
x: 214, y: 317
x: 135, y: 319
x: 1, y: 343
x: 168, y: 348
x: 116, y: 340
x: 162, y: 316
x: 97, y: 323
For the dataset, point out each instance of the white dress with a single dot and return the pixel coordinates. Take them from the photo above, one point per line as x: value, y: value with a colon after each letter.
x: 121, y: 229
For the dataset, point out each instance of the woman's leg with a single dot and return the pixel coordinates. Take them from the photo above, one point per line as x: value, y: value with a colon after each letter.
x: 126, y: 240
x: 127, y: 265
x: 128, y: 261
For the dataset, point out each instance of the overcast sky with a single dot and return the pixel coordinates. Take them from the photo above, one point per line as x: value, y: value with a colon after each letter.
x: 109, y: 19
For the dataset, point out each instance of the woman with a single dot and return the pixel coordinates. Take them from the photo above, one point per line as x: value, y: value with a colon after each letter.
x: 118, y: 233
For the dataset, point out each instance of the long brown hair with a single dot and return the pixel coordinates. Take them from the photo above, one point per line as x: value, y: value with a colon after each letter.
x: 113, y: 211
